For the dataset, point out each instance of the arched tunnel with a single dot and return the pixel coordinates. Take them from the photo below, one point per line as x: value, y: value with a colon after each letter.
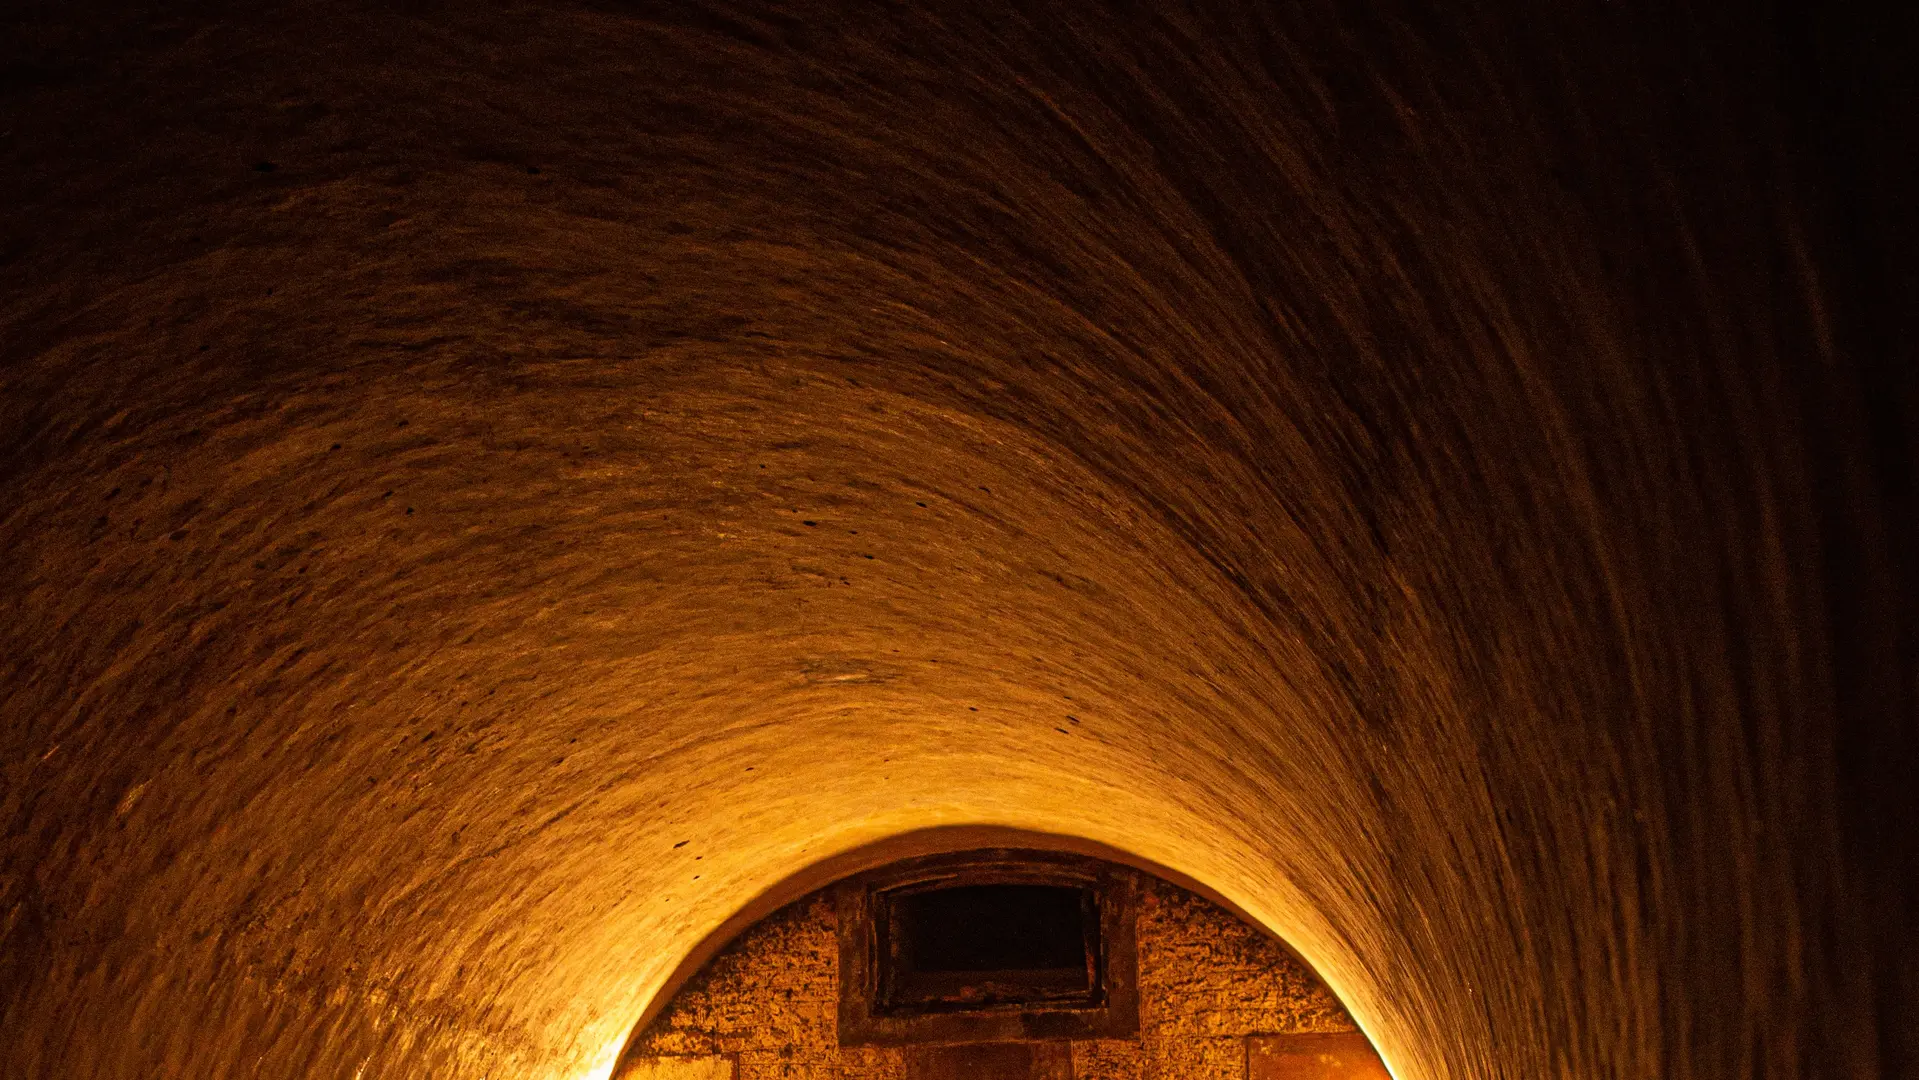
x: 489, y: 492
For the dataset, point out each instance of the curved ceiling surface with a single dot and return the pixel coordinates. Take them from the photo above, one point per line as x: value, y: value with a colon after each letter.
x: 489, y: 492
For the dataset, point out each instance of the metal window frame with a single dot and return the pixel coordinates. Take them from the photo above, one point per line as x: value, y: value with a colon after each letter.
x: 1110, y: 1010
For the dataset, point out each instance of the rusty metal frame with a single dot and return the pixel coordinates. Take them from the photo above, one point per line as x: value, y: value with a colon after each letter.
x: 1110, y: 1010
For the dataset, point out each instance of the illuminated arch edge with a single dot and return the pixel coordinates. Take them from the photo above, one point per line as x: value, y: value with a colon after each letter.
x: 936, y: 840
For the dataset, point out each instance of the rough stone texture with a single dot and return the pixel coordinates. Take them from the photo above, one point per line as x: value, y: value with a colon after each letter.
x: 1206, y: 980
x: 1205, y: 974
x: 772, y: 999
x: 488, y: 489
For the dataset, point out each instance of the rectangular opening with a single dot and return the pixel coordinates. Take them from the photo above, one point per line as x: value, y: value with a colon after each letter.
x: 992, y: 945
x: 993, y: 928
x: 980, y: 945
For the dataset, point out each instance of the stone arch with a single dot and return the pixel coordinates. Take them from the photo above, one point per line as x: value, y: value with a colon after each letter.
x: 488, y: 489
x: 1179, y: 951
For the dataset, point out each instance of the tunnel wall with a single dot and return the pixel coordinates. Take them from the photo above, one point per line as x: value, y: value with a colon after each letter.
x: 488, y: 490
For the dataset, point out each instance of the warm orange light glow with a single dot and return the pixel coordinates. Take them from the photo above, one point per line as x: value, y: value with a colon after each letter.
x: 487, y: 491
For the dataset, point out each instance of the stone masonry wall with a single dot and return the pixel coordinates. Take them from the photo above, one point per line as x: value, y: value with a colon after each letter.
x: 1207, y: 980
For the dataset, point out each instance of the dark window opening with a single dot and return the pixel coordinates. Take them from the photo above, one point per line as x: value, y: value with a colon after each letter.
x: 993, y: 928
x: 979, y: 945
x: 987, y: 946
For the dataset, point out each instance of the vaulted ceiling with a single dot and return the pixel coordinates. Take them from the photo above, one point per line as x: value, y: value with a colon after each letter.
x: 489, y: 490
